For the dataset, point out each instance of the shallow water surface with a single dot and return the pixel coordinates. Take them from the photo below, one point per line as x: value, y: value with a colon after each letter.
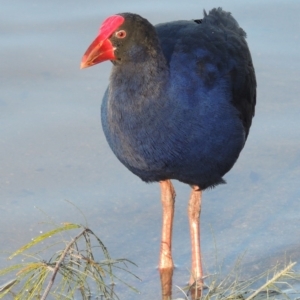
x: 53, y: 148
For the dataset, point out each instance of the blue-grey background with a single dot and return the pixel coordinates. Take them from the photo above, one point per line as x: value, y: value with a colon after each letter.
x: 52, y: 146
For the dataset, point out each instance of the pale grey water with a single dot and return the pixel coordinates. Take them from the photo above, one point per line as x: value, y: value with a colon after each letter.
x: 53, y: 148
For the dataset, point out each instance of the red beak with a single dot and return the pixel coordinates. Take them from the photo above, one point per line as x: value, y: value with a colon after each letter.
x: 99, y: 51
x: 101, y: 48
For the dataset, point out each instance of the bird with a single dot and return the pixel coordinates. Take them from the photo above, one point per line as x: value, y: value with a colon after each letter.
x: 179, y: 106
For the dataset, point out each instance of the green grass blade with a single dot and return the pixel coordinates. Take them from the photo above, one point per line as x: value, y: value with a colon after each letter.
x: 12, y: 268
x: 5, y: 288
x: 38, y: 239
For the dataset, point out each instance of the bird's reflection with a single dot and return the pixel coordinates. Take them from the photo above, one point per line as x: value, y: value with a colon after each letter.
x: 166, y: 274
x: 166, y: 283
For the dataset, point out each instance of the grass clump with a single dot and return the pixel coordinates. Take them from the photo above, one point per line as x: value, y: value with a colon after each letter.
x: 275, y: 280
x: 75, y: 266
x: 275, y: 283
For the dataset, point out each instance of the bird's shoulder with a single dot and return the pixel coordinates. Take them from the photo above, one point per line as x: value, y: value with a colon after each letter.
x: 200, y: 43
x: 209, y: 51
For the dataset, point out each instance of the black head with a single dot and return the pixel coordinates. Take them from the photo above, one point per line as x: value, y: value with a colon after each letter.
x: 123, y: 37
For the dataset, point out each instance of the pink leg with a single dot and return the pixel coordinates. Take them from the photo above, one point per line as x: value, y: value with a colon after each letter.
x: 165, y: 260
x: 194, y: 210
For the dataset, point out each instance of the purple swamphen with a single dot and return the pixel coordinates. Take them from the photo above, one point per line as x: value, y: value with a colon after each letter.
x: 179, y: 105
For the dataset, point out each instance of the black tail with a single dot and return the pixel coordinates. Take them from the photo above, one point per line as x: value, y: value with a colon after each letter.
x: 219, y: 17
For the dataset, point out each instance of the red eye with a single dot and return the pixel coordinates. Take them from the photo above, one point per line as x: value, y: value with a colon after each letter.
x: 121, y: 34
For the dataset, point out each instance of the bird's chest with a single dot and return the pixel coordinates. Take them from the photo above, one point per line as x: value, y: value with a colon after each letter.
x: 137, y: 130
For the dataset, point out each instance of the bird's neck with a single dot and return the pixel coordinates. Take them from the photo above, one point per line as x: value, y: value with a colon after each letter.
x: 141, y: 81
